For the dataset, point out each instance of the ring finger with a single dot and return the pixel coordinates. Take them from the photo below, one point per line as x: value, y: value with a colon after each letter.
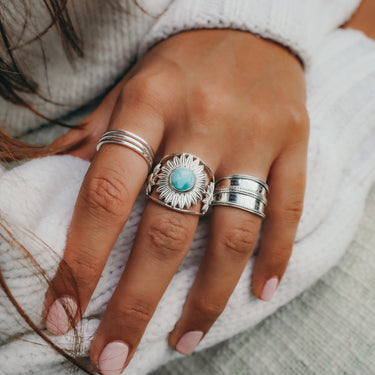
x: 233, y: 237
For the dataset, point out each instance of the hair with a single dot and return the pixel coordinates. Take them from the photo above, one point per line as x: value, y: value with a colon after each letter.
x: 15, y: 85
x: 14, y: 82
x: 8, y: 236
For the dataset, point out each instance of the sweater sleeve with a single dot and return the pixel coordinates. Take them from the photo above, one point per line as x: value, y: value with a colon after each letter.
x: 299, y: 25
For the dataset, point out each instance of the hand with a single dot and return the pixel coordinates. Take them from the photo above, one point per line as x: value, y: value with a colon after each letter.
x: 237, y: 102
x: 363, y: 19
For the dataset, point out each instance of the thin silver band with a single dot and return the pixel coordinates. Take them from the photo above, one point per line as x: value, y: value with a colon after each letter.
x: 241, y: 201
x: 129, y: 140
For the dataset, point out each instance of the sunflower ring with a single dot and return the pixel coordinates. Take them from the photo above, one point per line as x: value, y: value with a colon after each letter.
x: 182, y: 182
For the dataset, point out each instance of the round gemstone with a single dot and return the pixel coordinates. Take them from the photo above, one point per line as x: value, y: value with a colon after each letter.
x: 182, y: 179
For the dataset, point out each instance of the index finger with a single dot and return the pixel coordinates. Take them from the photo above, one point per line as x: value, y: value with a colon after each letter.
x: 103, y: 206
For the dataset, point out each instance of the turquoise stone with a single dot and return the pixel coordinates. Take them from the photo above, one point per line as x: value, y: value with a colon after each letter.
x: 182, y: 179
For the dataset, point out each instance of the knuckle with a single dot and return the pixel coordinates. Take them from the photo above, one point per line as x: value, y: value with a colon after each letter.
x: 107, y: 193
x: 298, y: 119
x: 208, y: 310
x: 239, y: 241
x: 85, y: 271
x: 169, y: 235
x: 139, y: 312
x: 291, y: 211
x: 298, y: 115
x: 145, y: 91
x: 212, y: 101
x: 279, y: 259
x: 258, y: 117
x: 290, y: 208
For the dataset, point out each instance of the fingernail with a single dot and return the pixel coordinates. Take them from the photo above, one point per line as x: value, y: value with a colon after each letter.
x: 269, y: 289
x: 113, y: 358
x: 58, y: 321
x: 188, y: 342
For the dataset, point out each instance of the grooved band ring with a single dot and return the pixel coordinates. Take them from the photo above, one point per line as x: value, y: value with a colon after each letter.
x: 242, y: 191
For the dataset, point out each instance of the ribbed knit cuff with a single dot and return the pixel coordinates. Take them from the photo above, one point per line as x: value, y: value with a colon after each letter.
x: 299, y: 25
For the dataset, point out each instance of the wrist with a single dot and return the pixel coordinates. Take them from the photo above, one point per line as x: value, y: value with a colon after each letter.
x: 299, y: 26
x: 240, y: 43
x: 363, y: 19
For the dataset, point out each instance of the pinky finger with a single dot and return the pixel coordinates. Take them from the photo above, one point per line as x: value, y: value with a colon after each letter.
x: 287, y: 186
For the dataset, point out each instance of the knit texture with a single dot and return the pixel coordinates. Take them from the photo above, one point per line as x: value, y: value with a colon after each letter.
x: 328, y: 330
x: 341, y: 159
x: 114, y: 35
x: 111, y: 37
x: 298, y: 25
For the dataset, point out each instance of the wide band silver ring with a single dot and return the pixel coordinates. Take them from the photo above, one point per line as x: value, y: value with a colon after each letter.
x: 182, y: 182
x: 129, y: 140
x: 245, y: 192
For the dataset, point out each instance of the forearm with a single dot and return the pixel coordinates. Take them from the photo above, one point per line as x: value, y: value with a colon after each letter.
x: 364, y: 18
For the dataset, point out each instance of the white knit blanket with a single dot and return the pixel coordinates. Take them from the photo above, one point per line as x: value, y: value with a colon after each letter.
x: 40, y: 196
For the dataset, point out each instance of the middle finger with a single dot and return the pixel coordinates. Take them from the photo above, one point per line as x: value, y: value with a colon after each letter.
x: 163, y: 239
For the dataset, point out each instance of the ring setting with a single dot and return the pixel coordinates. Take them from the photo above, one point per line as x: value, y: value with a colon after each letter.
x: 182, y: 182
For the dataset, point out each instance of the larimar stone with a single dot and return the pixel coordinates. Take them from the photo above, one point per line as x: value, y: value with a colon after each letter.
x: 182, y: 179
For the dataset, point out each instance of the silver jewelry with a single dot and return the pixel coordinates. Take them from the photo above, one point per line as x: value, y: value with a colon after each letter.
x: 244, y: 183
x: 129, y: 140
x: 182, y: 182
x: 241, y: 191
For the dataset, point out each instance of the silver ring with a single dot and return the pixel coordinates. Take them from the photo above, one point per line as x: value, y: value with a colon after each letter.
x: 182, y: 182
x: 129, y: 140
x: 235, y: 189
x: 241, y: 191
x: 244, y: 182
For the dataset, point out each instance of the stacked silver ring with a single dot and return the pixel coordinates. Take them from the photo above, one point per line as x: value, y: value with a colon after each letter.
x: 242, y: 191
x: 130, y: 140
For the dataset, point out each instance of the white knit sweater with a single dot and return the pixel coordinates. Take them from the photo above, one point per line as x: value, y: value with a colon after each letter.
x: 40, y: 195
x: 113, y: 38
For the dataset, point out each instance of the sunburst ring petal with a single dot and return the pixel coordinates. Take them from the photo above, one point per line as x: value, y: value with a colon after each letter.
x: 182, y: 182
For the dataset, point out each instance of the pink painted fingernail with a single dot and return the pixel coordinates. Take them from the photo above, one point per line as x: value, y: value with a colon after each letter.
x: 58, y: 321
x: 188, y: 342
x: 113, y: 358
x: 269, y: 289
